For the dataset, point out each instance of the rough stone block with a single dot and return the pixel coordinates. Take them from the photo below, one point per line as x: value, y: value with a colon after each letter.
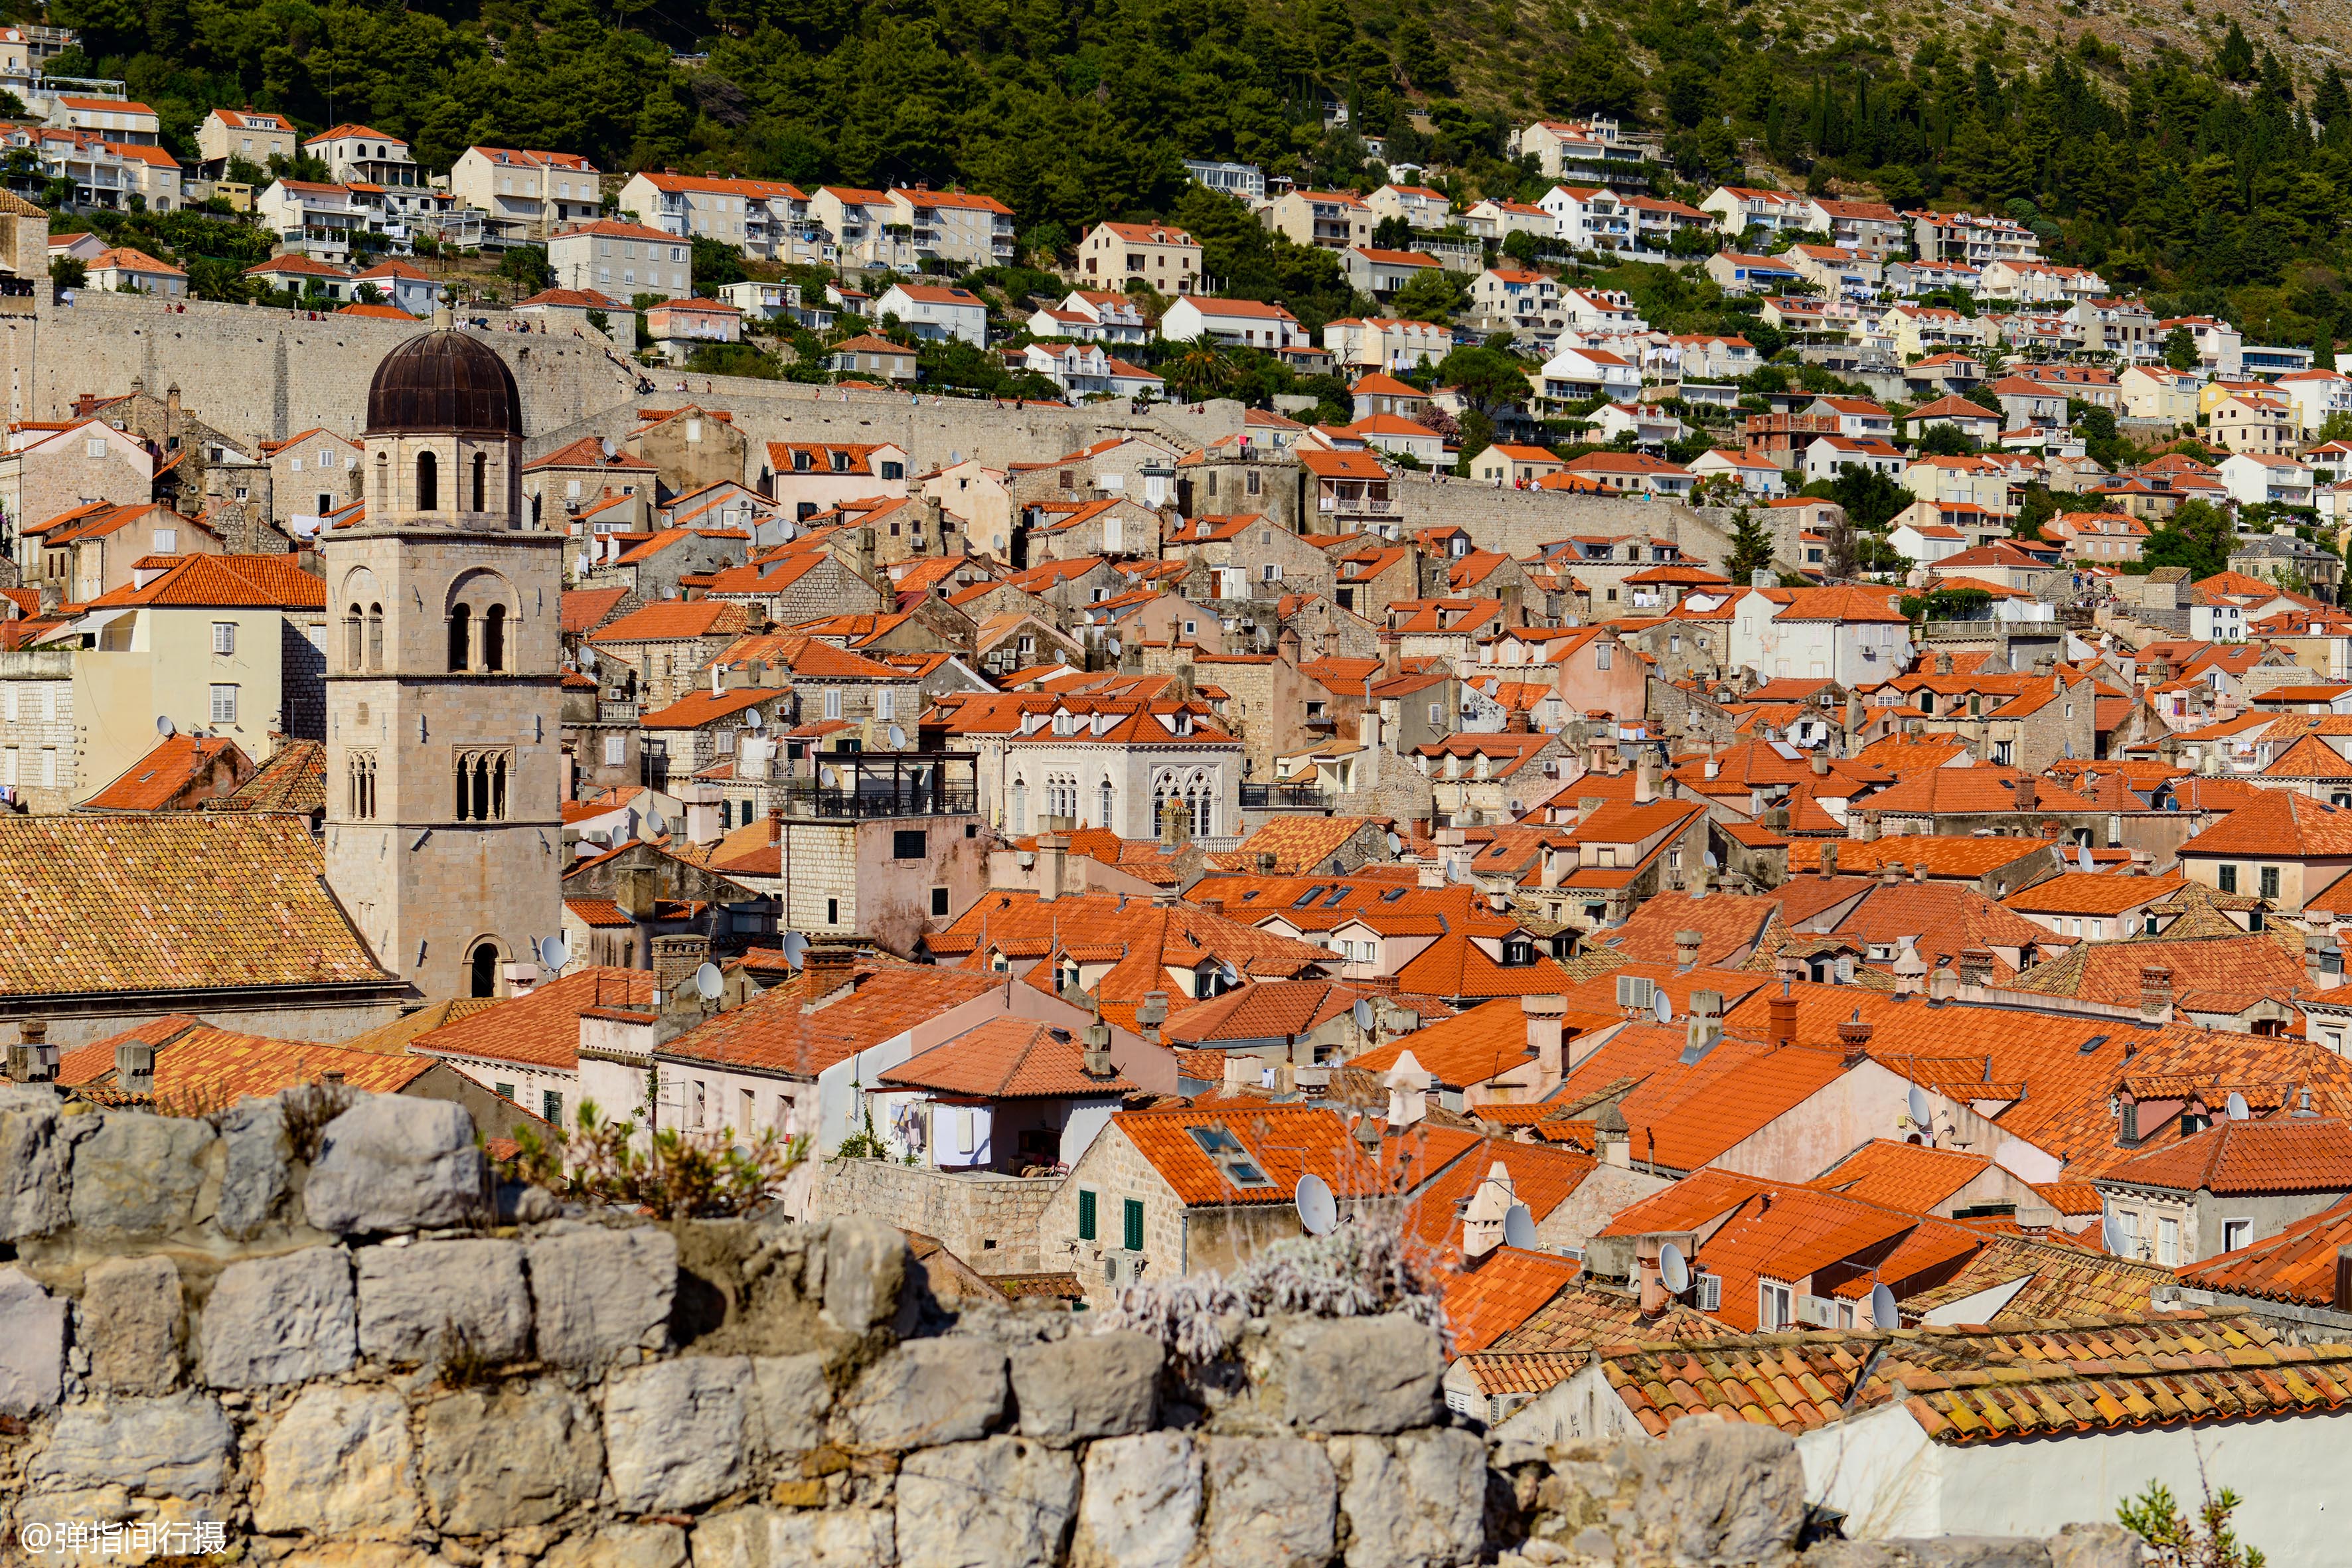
x: 1351, y: 1374
x: 599, y: 1296
x: 622, y: 1546
x: 32, y: 1345
x: 139, y: 1175
x: 1088, y: 1385
x: 2094, y: 1546
x: 1420, y: 1506
x: 175, y: 1447
x: 1141, y: 1504
x: 256, y: 1173
x: 796, y: 1538
x: 393, y: 1164
x: 865, y: 1266
x: 1006, y: 1502
x: 924, y: 1393
x: 132, y: 1325
x: 1712, y: 1489
x: 790, y: 1397
x: 280, y: 1319
x: 337, y: 1464
x: 34, y: 1160
x: 1273, y: 1503
x: 422, y: 1301
x: 675, y: 1431
x: 507, y: 1458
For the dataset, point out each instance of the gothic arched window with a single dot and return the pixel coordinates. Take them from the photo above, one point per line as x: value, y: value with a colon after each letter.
x: 494, y: 638
x: 428, y: 482
x: 481, y: 474
x: 482, y: 970
x: 461, y: 641
x: 375, y: 637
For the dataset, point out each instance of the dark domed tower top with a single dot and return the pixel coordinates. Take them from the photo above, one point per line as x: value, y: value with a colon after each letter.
x: 443, y: 383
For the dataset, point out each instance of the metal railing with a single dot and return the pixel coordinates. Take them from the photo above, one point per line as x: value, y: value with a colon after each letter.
x: 875, y: 797
x: 1284, y: 797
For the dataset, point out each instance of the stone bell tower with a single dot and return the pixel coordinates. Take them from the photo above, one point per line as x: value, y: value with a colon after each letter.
x: 444, y: 836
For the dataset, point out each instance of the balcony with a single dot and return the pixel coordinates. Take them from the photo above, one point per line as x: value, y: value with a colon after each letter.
x: 852, y: 785
x: 1285, y: 797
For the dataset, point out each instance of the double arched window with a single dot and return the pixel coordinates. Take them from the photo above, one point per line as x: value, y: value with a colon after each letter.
x: 480, y: 621
x: 1193, y: 794
x: 482, y: 777
x: 362, y: 783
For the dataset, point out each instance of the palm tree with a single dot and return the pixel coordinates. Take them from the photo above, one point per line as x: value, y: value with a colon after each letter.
x: 1202, y: 372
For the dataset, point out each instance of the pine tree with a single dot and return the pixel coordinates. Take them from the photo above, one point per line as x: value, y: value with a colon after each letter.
x: 2332, y: 106
x: 2323, y: 350
x: 1751, y: 548
x: 2235, y: 59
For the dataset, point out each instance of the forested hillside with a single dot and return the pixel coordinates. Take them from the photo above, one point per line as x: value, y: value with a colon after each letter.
x: 2214, y: 180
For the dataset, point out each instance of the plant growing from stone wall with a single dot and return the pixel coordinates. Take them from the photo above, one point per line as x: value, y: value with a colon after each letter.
x: 678, y: 1174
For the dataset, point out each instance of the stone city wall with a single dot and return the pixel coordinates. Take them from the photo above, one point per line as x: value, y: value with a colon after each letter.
x: 988, y: 1220
x: 317, y: 1337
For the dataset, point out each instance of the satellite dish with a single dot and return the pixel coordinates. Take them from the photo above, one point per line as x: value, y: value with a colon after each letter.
x: 794, y: 947
x: 554, y: 952
x: 2111, y: 1233
x: 612, y: 448
x: 653, y: 823
x: 1520, y: 1227
x: 2082, y: 857
x: 1228, y: 973
x: 1662, y: 1008
x: 1919, y: 1107
x: 1396, y: 845
x: 708, y: 981
x: 1364, y: 1014
x: 1672, y: 1269
x: 1712, y: 863
x: 826, y: 777
x: 1884, y: 1313
x: 163, y: 726
x: 2237, y: 1107
x: 897, y: 739
x: 1318, y: 1211
x: 753, y: 722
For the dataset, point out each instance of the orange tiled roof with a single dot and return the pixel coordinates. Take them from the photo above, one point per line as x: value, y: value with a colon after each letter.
x: 2224, y: 973
x: 2278, y: 823
x: 675, y: 620
x: 1299, y: 843
x: 1908, y: 1176
x: 1500, y: 1292
x: 169, y: 902
x: 771, y: 1033
x: 160, y: 777
x: 1006, y: 1059
x: 542, y: 1029
x: 2092, y: 893
x: 1281, y: 1142
x: 2278, y: 1155
x: 2298, y: 1264
x: 205, y: 1066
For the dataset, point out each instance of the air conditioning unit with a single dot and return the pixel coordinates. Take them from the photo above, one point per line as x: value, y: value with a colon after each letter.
x: 1818, y: 1311
x: 1633, y: 991
x: 1709, y: 1293
x: 1122, y: 1268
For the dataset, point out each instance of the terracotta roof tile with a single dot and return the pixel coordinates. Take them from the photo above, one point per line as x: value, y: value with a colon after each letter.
x: 1908, y: 1176
x: 165, y: 774
x: 1500, y: 1292
x: 542, y: 1029
x: 2278, y: 1154
x: 2298, y: 1264
x: 205, y: 1068
x: 1006, y: 1059
x: 675, y: 620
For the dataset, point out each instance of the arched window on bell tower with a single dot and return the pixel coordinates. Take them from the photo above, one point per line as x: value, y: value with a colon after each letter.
x: 375, y: 637
x: 355, y: 639
x: 481, y: 475
x: 482, y: 970
x: 494, y: 638
x: 461, y: 649
x: 428, y: 482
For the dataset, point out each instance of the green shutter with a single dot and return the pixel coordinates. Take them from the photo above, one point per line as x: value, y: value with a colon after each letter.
x: 1134, y: 1218
x: 1085, y: 1214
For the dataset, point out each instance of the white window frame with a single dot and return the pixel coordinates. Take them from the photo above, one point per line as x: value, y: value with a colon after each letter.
x: 223, y: 702
x: 225, y: 637
x: 2237, y: 1232
x: 1776, y: 1306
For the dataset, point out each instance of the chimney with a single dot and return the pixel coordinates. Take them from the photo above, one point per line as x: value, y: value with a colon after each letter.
x: 1890, y: 873
x: 1546, y: 1036
x: 1408, y: 1085
x: 1482, y: 1222
x: 1213, y: 907
x: 1782, y: 1017
x: 704, y: 820
x: 1703, y: 1030
x: 1611, y: 1138
x: 1855, y: 1033
x: 1821, y: 763
x: 522, y: 978
x: 2028, y: 790
x: 1654, y: 1299
x: 1976, y: 966
x: 635, y: 892
x: 1869, y: 833
x: 1919, y: 870
x: 675, y: 958
x: 1646, y: 778
x: 2155, y: 994
x: 1686, y: 945
x: 1052, y: 857
x: 1829, y: 861
x: 1099, y: 1062
x: 1910, y: 968
x: 827, y: 968
x: 32, y: 1059
x: 775, y: 824
x: 1150, y: 1013
x: 134, y: 1067
x: 1175, y: 825
x: 2342, y: 1298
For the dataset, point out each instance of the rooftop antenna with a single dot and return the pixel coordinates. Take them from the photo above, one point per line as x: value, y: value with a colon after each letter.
x: 2237, y: 1107
x: 1884, y: 1313
x: 1317, y: 1210
x: 164, y: 727
x: 1672, y: 1270
x: 1520, y: 1227
x: 554, y: 952
x: 1661, y: 1007
x: 708, y: 981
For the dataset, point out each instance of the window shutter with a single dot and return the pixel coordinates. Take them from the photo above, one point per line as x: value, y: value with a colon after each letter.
x: 1085, y: 1214
x: 1133, y: 1227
